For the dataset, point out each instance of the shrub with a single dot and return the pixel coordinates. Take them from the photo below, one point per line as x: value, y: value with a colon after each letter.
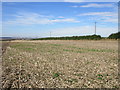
x: 89, y: 37
x: 114, y: 36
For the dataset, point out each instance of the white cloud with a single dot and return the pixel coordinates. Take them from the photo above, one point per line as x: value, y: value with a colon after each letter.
x: 68, y: 31
x: 65, y: 20
x: 61, y: 17
x: 99, y: 14
x: 75, y: 6
x: 74, y: 0
x: 59, y: 0
x: 97, y: 5
x: 91, y: 1
x: 32, y: 0
x: 35, y: 18
x: 113, y: 20
x: 102, y: 16
x: 83, y: 30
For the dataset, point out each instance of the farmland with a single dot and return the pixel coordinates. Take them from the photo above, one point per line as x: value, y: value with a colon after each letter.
x: 60, y: 63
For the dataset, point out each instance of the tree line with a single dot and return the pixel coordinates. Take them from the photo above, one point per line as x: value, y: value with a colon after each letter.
x: 88, y: 37
x: 114, y: 36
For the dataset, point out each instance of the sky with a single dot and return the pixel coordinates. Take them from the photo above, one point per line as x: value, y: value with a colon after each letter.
x: 61, y: 0
x: 39, y: 19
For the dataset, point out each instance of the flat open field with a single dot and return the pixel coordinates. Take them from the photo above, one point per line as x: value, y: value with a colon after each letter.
x: 61, y: 63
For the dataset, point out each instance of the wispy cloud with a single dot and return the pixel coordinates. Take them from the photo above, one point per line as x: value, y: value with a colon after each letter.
x: 98, y: 14
x: 91, y: 1
x: 59, y: 0
x: 102, y: 16
x: 74, y: 0
x: 32, y: 0
x: 96, y: 5
x: 65, y: 20
x: 35, y: 18
x: 61, y: 17
x: 104, y: 19
x: 109, y: 19
x: 83, y: 30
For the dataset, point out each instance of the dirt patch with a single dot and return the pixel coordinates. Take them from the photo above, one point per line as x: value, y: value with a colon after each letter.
x: 4, y: 45
x: 61, y: 64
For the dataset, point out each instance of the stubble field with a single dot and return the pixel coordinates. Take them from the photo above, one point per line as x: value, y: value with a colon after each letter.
x: 61, y: 64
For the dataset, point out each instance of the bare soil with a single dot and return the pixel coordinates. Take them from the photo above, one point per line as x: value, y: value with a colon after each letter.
x: 61, y: 64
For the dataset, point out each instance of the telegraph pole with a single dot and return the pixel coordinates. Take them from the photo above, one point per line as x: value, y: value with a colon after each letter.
x: 95, y: 28
x: 50, y: 34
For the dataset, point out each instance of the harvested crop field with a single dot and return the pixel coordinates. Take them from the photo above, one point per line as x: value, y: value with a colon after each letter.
x: 61, y: 64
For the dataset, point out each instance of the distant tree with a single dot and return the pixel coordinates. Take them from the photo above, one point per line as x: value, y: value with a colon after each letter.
x: 89, y: 37
x: 114, y: 36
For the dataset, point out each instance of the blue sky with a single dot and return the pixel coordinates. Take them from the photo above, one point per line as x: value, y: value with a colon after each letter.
x: 38, y: 19
x: 60, y: 0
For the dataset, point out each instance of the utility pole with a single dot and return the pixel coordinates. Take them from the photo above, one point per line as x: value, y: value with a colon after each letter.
x: 50, y: 34
x: 95, y: 28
